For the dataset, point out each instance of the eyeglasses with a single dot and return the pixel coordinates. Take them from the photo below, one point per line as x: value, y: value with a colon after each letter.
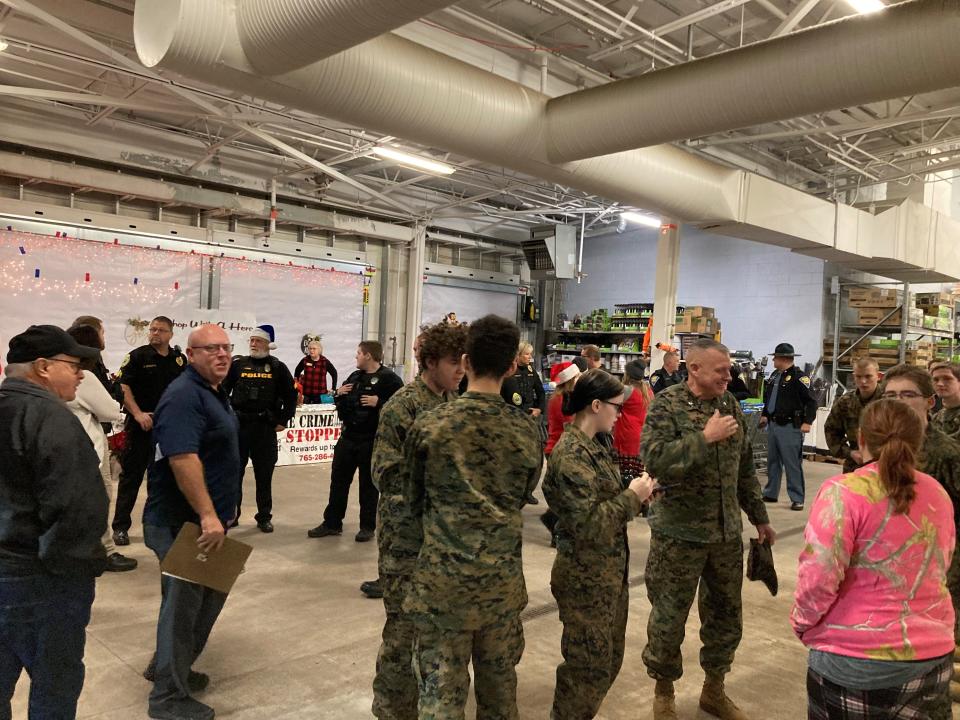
x: 77, y: 365
x: 618, y: 406
x: 227, y: 348
x: 902, y: 395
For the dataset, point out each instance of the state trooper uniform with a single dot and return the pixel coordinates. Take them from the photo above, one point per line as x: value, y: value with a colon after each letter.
x: 788, y: 405
x: 147, y: 373
x: 263, y: 396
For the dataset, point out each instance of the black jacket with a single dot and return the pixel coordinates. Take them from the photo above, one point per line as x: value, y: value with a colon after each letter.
x: 358, y: 420
x: 524, y: 390
x: 660, y: 380
x: 795, y: 404
x: 53, y: 506
x: 261, y: 390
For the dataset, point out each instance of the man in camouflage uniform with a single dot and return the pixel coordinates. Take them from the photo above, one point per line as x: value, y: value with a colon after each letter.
x: 695, y: 445
x: 843, y: 422
x: 439, y: 354
x: 468, y: 464
x: 946, y: 383
x: 939, y: 458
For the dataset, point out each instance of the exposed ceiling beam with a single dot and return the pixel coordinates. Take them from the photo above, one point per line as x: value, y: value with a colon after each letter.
x: 673, y: 25
x: 795, y: 17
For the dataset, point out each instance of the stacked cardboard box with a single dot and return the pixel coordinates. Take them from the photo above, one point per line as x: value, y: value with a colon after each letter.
x: 887, y: 353
x: 872, y: 316
x: 845, y: 342
x: 873, y: 298
x: 697, y: 319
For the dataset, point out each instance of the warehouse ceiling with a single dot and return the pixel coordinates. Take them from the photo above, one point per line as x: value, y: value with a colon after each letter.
x: 72, y: 85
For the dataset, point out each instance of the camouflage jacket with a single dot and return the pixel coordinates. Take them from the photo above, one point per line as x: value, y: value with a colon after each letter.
x: 387, y: 467
x: 706, y: 484
x: 842, y: 425
x: 583, y: 488
x: 940, y: 459
x: 469, y: 463
x: 948, y: 421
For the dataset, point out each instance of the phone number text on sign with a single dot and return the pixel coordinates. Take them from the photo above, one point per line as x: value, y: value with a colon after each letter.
x: 309, y: 437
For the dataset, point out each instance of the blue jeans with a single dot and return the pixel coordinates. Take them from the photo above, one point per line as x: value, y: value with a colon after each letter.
x: 784, y: 453
x: 187, y: 614
x: 43, y: 628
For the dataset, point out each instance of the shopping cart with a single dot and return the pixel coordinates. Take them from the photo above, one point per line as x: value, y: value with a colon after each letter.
x: 757, y: 435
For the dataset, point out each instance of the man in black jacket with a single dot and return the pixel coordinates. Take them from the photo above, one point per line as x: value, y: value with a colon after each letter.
x: 358, y: 401
x: 264, y: 398
x: 54, y: 512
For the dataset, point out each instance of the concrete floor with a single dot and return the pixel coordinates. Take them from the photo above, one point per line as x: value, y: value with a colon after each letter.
x: 298, y: 640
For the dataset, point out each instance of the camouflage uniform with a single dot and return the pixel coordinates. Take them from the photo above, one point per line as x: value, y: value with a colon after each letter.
x: 395, y: 684
x: 842, y: 425
x: 589, y: 579
x: 469, y: 463
x: 948, y: 420
x: 940, y: 458
x: 696, y: 529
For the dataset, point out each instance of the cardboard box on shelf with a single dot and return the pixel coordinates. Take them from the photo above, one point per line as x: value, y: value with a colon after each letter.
x: 937, y: 298
x: 688, y: 324
x: 873, y: 297
x: 699, y: 311
x: 872, y: 316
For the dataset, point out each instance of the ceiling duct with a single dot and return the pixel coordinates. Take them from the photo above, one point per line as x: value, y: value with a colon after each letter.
x: 404, y: 89
x: 907, y: 49
x: 551, y: 252
x: 283, y: 35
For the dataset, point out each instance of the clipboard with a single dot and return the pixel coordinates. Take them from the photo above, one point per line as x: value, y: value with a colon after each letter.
x: 218, y: 571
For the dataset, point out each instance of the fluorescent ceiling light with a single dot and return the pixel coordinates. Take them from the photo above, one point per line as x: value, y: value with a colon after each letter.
x: 3, y: 46
x: 639, y: 219
x: 414, y: 161
x: 866, y: 6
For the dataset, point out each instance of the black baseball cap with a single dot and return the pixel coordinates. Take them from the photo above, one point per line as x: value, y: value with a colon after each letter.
x: 44, y: 341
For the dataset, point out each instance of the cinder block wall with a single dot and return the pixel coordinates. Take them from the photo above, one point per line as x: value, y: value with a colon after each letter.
x: 763, y: 294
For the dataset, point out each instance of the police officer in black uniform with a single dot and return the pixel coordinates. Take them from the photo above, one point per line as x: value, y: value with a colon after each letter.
x: 668, y: 375
x: 143, y: 376
x: 789, y: 409
x: 264, y: 398
x: 358, y: 401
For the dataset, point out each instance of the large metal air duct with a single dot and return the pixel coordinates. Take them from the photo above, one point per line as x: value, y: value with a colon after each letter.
x: 910, y: 48
x: 401, y: 88
x: 283, y: 35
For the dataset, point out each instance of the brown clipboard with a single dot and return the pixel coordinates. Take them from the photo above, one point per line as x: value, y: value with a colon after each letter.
x: 218, y: 570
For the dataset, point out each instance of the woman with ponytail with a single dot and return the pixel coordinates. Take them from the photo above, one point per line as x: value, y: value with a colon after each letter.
x: 871, y: 601
x: 589, y: 579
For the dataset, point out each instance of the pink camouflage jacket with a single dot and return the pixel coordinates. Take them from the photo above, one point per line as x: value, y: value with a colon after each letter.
x: 872, y: 584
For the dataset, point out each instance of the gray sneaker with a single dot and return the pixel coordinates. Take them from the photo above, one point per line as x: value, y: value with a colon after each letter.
x: 184, y: 709
x: 364, y: 535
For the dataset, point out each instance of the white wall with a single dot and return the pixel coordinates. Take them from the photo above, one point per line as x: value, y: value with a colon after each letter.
x: 763, y: 295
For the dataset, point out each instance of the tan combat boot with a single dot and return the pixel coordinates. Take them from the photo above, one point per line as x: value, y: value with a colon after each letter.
x: 714, y: 700
x: 664, y: 706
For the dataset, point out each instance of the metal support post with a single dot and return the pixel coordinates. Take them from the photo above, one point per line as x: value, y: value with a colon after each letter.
x: 904, y: 321
x: 418, y: 249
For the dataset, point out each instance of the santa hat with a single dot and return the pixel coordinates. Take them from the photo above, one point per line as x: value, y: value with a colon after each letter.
x: 264, y: 332
x: 563, y: 372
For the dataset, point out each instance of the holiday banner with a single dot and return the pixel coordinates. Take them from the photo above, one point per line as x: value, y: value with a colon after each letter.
x: 52, y: 280
x: 300, y: 303
x: 310, y: 436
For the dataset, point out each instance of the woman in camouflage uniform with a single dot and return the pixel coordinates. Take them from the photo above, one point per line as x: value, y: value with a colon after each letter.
x: 589, y: 579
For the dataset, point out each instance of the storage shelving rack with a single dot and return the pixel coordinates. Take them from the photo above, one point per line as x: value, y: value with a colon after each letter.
x: 906, y: 330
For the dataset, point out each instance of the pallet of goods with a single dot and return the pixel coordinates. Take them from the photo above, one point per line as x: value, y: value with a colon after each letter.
x: 873, y: 298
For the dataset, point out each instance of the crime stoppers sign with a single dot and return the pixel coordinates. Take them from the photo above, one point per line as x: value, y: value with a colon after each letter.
x: 310, y: 436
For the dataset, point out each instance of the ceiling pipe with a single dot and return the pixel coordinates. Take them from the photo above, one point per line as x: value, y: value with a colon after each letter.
x: 907, y: 49
x: 282, y: 35
x: 406, y: 90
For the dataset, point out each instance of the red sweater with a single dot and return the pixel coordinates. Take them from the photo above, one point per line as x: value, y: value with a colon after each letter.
x: 556, y: 421
x: 627, y: 431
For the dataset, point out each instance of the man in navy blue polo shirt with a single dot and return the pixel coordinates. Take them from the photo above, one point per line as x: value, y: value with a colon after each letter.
x: 193, y: 479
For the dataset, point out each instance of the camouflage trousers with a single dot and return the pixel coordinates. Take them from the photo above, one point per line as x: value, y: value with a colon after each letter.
x: 592, y: 646
x: 441, y: 657
x: 395, y: 684
x: 676, y: 570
